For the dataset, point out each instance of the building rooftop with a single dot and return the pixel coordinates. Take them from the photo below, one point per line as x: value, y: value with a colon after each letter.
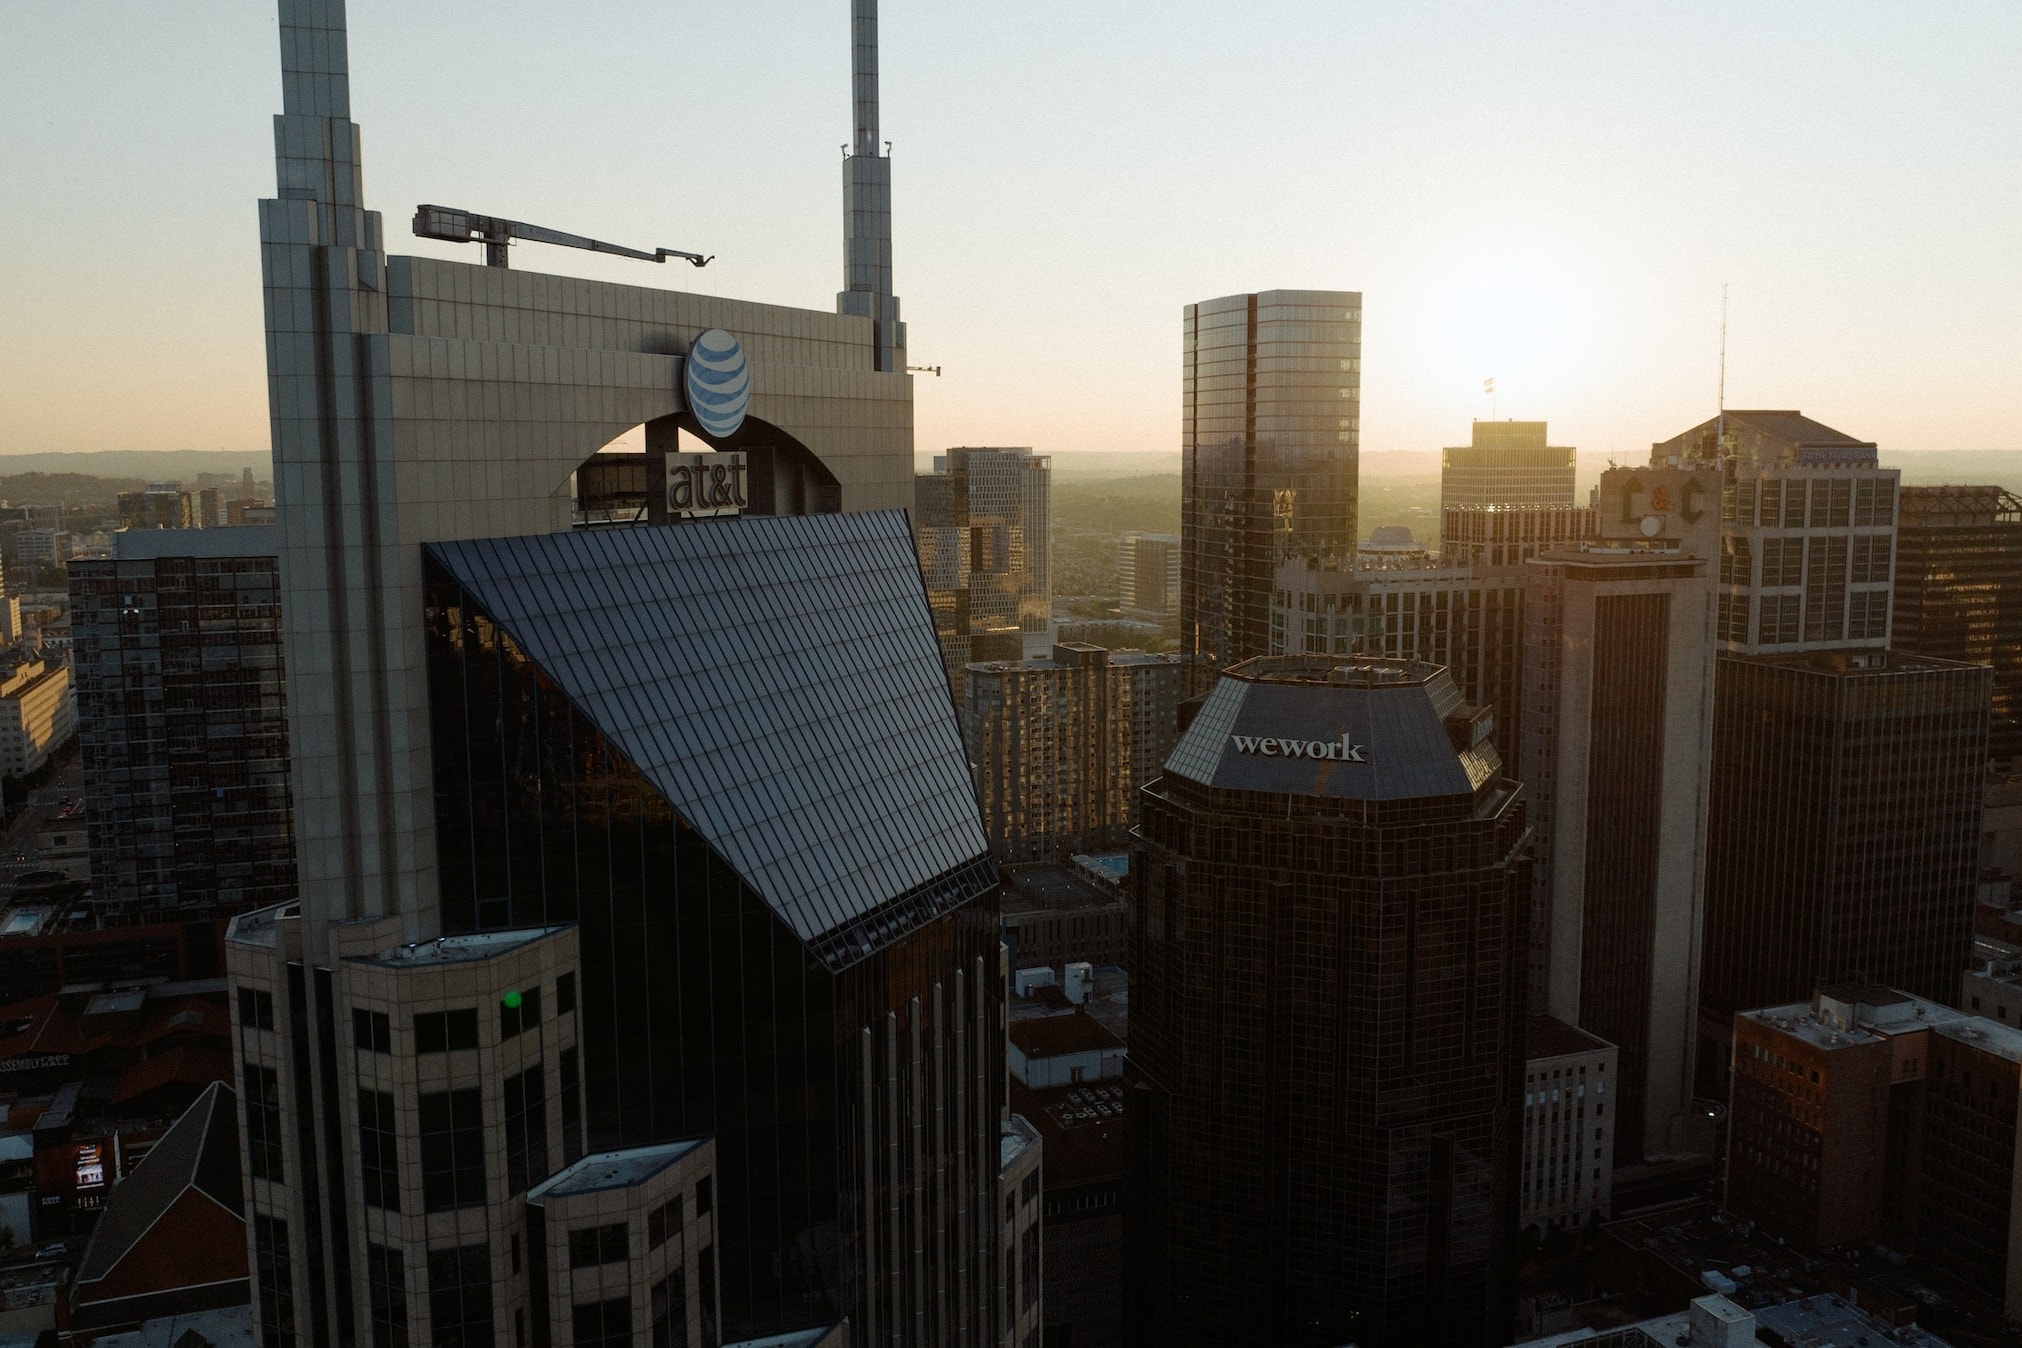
x: 1856, y: 664
x: 238, y: 540
x: 458, y: 949
x: 1016, y: 1137
x: 777, y: 680
x: 225, y: 1327
x: 1770, y: 437
x: 1043, y: 886
x: 1852, y: 1015
x: 1082, y: 1126
x: 1057, y: 1036
x: 1351, y: 728
x: 1549, y: 1037
x: 200, y: 1152
x: 1112, y: 867
x: 613, y: 1169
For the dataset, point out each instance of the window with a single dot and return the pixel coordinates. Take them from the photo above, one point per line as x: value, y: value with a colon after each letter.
x: 590, y: 1246
x: 263, y: 1122
x: 256, y: 1009
x: 664, y: 1223
x: 276, y: 1281
x: 572, y: 1108
x: 519, y: 1010
x: 439, y: 1031
x: 452, y: 1150
x: 705, y: 1288
x: 670, y: 1311
x: 604, y: 1324
x: 378, y: 1150
x: 371, y: 1031
x: 702, y: 1195
x: 459, y: 1295
x: 386, y: 1283
x: 1028, y: 1258
x: 526, y: 1111
x: 565, y: 994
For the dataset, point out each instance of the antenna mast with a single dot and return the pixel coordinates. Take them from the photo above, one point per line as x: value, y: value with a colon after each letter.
x: 1720, y: 421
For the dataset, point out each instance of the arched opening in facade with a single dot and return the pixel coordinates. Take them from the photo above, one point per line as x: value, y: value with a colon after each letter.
x: 625, y: 481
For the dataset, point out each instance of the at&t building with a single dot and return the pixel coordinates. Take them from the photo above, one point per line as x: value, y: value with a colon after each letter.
x: 643, y: 983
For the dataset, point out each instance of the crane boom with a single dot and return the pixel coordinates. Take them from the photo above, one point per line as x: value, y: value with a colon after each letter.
x: 451, y: 225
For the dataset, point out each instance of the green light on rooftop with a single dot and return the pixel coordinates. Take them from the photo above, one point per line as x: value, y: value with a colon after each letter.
x: 512, y: 1000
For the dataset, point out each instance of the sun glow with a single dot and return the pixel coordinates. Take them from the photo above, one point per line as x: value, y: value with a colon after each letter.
x: 1524, y: 320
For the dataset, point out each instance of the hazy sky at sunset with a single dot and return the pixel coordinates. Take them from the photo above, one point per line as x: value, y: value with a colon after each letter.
x: 1551, y: 194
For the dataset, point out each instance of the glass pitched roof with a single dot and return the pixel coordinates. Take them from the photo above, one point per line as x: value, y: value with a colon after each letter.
x: 777, y: 679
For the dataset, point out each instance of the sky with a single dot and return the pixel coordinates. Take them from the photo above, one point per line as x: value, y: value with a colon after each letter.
x: 1552, y: 195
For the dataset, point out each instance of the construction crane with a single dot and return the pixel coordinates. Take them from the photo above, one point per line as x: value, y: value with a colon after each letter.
x: 454, y: 226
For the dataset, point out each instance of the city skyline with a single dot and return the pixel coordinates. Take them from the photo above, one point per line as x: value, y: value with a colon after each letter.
x: 1506, y: 189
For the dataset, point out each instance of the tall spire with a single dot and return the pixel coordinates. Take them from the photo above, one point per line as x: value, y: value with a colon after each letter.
x: 316, y: 144
x: 867, y: 201
x: 864, y: 73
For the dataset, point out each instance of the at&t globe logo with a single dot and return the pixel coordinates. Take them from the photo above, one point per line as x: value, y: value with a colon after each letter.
x: 718, y: 383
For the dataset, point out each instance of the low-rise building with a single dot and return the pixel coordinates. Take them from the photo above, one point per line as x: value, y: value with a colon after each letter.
x: 37, y: 715
x: 1868, y: 1115
x: 1569, y: 1129
x: 1055, y: 916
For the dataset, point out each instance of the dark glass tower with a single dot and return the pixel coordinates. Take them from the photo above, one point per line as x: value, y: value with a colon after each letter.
x: 725, y: 751
x: 1843, y: 830
x: 1959, y: 590
x: 1327, y: 1012
x: 1270, y: 437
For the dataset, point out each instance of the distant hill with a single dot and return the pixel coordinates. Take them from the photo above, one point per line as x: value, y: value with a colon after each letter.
x: 148, y: 465
x: 64, y: 488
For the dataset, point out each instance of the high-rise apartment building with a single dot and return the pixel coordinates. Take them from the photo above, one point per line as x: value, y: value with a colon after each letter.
x: 1843, y: 830
x: 1807, y: 532
x: 1958, y: 592
x: 1148, y: 574
x: 675, y: 816
x: 1618, y: 677
x: 1506, y: 463
x: 1326, y: 1016
x: 1061, y: 745
x: 176, y: 651
x: 981, y: 522
x: 1270, y: 437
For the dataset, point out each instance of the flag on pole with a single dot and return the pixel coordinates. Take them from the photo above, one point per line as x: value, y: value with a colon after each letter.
x: 1488, y: 386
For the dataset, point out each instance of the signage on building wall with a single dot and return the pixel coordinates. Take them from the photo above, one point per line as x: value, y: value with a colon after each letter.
x: 35, y: 1063
x: 1343, y: 750
x: 718, y: 383
x: 699, y: 485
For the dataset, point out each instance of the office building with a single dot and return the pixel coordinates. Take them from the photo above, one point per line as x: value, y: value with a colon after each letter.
x: 1327, y: 1016
x: 1466, y: 619
x: 38, y: 714
x: 1618, y: 679
x: 1270, y: 433
x: 1571, y: 1101
x: 1055, y: 916
x: 176, y: 649
x: 160, y: 505
x: 1506, y: 463
x: 1020, y: 1182
x: 1148, y: 574
x: 1493, y: 537
x: 1807, y: 531
x: 1958, y: 591
x: 1060, y: 745
x: 1867, y: 1115
x: 676, y: 815
x: 1843, y: 830
x: 981, y: 521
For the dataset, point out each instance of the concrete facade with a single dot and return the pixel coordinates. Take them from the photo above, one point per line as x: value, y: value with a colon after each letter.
x: 1617, y: 729
x: 1506, y: 463
x: 416, y: 400
x: 38, y: 714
